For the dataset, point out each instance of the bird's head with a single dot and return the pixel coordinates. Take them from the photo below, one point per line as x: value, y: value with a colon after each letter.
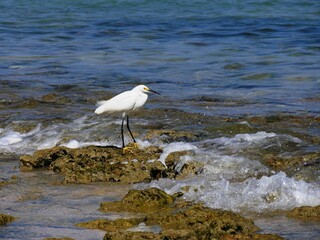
x: 145, y: 89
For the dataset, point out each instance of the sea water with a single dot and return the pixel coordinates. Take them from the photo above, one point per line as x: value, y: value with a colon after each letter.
x: 216, y: 59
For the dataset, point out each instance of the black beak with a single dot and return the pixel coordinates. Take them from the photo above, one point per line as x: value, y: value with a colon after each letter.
x: 154, y: 92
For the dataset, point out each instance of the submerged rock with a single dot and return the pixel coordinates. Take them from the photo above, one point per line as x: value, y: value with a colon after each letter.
x: 63, y: 238
x: 4, y: 219
x: 171, y: 135
x: 306, y: 212
x: 105, y: 164
x: 178, y: 169
x: 304, y: 167
x: 177, y: 219
x: 55, y: 98
x: 111, y: 225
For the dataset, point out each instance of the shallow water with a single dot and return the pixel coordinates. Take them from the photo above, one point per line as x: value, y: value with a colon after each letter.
x: 219, y: 66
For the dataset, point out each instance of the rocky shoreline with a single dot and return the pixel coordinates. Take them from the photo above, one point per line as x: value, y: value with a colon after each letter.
x: 109, y: 164
x: 176, y: 218
x: 4, y: 219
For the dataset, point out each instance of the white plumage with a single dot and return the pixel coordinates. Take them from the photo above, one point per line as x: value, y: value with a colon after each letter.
x: 125, y: 103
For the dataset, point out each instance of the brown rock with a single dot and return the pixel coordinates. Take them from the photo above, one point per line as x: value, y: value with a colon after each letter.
x: 96, y: 164
x: 111, y: 225
x: 304, y: 167
x: 125, y: 235
x: 109, y: 164
x: 62, y: 238
x: 55, y: 98
x: 252, y: 237
x: 147, y: 200
x: 187, y: 169
x: 305, y: 212
x: 167, y: 135
x: 203, y: 221
x: 4, y: 219
x: 177, y: 218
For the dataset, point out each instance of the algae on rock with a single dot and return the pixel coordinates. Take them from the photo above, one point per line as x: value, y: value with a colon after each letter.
x: 4, y: 219
x: 140, y: 201
x: 305, y: 212
x: 106, y: 164
x: 177, y: 218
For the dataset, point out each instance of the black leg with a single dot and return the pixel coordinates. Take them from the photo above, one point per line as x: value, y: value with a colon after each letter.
x: 122, y: 132
x: 129, y: 128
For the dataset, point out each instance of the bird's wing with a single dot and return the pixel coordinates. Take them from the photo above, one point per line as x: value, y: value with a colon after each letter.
x: 122, y: 102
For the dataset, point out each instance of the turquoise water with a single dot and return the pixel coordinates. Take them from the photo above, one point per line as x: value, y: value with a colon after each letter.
x: 265, y: 53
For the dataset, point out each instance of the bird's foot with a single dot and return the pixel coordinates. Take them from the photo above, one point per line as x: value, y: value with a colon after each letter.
x: 130, y: 148
x: 135, y: 145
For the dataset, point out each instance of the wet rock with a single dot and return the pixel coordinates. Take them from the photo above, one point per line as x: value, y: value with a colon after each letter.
x: 177, y: 219
x: 305, y: 212
x: 307, y: 173
x: 171, y: 135
x: 111, y: 225
x: 28, y: 103
x: 182, y: 235
x: 55, y: 98
x: 234, y: 66
x: 125, y: 235
x: 258, y: 76
x: 96, y: 164
x: 108, y: 164
x: 23, y: 127
x: 302, y: 167
x: 140, y: 201
x: 4, y: 219
x: 178, y: 169
x: 230, y: 129
x: 252, y: 237
x: 5, y: 183
x: 297, y: 126
x: 62, y: 238
x: 312, y: 99
x: 203, y: 221
x: 42, y: 158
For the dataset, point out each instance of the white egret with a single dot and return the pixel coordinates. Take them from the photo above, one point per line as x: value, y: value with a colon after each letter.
x: 125, y: 103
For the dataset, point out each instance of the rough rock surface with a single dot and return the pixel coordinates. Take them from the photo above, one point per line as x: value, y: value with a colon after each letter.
x: 140, y: 201
x: 304, y: 167
x: 107, y: 164
x: 171, y: 135
x: 4, y: 219
x: 177, y: 219
x: 63, y: 238
x: 305, y: 212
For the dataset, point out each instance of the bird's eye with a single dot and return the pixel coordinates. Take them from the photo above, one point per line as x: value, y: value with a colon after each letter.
x: 146, y: 89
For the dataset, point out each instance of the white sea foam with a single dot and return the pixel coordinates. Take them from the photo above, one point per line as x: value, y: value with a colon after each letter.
x: 234, y: 182
x: 9, y: 137
x: 244, y: 140
x: 276, y: 192
x: 79, y: 144
x: 175, y: 147
x: 232, y: 167
x: 229, y: 180
x: 78, y: 131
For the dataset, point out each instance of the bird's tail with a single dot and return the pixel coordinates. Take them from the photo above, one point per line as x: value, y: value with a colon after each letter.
x: 99, y: 103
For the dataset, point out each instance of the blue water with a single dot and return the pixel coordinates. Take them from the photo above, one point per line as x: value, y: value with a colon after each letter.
x: 265, y: 53
x: 220, y: 58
